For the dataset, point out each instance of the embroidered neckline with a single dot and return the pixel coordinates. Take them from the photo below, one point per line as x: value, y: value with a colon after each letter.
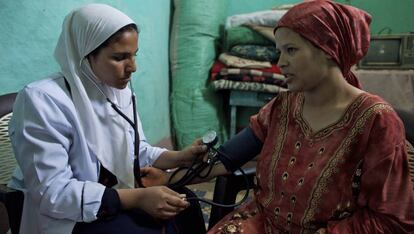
x: 345, y: 118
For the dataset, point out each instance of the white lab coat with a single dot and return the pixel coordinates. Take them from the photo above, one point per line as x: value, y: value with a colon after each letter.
x: 60, y: 172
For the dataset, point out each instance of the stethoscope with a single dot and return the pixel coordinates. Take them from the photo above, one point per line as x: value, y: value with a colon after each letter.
x: 134, y: 125
x: 195, y: 170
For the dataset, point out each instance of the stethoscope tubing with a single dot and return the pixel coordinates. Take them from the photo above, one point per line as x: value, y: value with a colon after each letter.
x: 134, y: 125
x: 191, y: 172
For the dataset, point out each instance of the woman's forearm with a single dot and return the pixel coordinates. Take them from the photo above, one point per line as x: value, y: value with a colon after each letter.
x: 168, y: 159
x: 172, y: 159
x: 217, y: 170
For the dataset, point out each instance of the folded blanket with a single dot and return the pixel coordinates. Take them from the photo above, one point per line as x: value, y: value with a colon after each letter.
x: 244, y: 36
x: 218, y: 66
x: 265, y: 31
x: 250, y: 78
x: 234, y: 61
x: 237, y: 71
x: 248, y: 86
x: 256, y: 52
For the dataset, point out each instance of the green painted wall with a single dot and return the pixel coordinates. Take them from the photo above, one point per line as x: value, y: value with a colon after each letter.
x: 388, y: 16
x: 29, y: 31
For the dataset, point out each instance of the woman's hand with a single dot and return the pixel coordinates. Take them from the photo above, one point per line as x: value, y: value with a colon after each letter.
x: 159, y: 201
x: 172, y: 159
x: 151, y: 176
x: 197, y: 151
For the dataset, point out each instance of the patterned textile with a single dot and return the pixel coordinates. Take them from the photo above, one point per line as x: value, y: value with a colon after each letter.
x: 234, y: 61
x: 305, y: 178
x: 248, y: 86
x: 237, y: 71
x: 268, y: 75
x: 271, y: 76
x: 250, y: 78
x: 218, y: 66
x: 256, y: 52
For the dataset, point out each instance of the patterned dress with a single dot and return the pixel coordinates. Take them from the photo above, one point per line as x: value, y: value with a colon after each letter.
x: 350, y: 177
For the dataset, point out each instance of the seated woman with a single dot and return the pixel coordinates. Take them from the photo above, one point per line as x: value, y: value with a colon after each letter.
x: 332, y: 158
x: 77, y: 153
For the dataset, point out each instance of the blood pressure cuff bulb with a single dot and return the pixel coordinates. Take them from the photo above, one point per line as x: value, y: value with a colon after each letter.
x: 240, y: 149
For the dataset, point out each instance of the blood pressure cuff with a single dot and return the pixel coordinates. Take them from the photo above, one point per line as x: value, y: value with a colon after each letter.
x: 240, y: 149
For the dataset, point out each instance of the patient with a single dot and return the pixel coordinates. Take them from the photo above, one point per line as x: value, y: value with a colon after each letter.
x: 332, y: 158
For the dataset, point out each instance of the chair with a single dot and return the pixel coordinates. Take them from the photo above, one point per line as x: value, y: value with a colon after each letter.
x: 227, y: 187
x: 12, y: 199
x: 408, y: 120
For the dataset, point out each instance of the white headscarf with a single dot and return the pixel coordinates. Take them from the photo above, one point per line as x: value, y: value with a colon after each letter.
x: 84, y: 29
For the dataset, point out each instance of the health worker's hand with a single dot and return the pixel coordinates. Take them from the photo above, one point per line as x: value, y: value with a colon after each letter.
x: 162, y: 202
x: 321, y: 231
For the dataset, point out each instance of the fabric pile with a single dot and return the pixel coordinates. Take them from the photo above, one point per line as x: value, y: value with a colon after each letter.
x: 249, y: 57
